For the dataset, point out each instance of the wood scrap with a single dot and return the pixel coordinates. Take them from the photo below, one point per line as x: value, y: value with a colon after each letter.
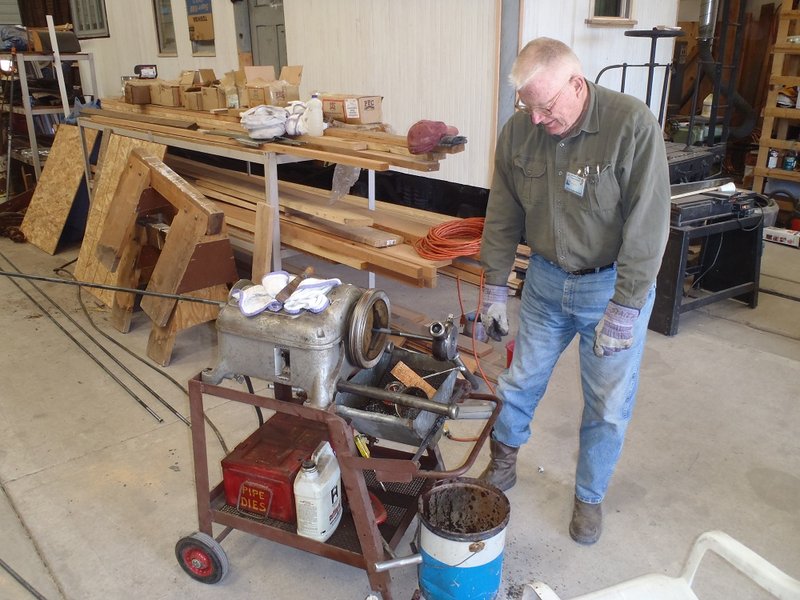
x: 58, y: 185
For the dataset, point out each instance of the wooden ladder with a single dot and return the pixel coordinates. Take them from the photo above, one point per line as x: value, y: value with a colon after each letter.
x: 785, y: 73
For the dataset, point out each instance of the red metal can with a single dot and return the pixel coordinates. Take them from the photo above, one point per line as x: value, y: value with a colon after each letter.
x: 259, y: 474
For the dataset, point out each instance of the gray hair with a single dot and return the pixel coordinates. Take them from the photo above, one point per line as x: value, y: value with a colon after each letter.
x: 540, y: 54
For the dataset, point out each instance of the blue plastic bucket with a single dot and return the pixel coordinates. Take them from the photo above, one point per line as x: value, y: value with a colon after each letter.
x: 461, y: 539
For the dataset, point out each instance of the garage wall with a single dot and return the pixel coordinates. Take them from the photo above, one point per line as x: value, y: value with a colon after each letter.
x: 133, y: 41
x: 429, y: 59
x: 598, y: 47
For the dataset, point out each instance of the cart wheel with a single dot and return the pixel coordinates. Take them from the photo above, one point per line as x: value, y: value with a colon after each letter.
x: 201, y: 556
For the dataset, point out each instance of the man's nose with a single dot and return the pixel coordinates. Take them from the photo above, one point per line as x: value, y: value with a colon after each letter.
x: 536, y: 118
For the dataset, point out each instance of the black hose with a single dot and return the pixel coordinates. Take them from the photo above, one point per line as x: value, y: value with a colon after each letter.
x: 258, y: 408
x: 745, y: 128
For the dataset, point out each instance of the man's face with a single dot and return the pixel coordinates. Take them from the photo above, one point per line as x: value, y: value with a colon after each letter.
x: 552, y: 99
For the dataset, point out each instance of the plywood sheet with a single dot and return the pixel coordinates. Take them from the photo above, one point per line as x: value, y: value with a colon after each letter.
x: 52, y: 200
x: 112, y: 166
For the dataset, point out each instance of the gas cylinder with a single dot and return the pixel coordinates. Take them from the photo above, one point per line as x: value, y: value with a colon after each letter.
x: 317, y: 494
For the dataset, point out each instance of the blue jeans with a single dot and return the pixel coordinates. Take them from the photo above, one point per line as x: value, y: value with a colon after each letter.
x: 555, y: 307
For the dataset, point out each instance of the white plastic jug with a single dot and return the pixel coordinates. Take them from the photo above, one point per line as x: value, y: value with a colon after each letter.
x: 313, y: 116
x: 318, y: 494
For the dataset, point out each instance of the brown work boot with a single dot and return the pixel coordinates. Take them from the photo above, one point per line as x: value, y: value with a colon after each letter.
x: 501, y: 471
x: 587, y: 522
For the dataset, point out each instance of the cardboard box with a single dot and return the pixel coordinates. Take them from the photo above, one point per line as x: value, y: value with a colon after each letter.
x: 137, y: 92
x: 351, y: 108
x: 194, y: 80
x: 214, y: 97
x: 193, y: 99
x: 257, y: 85
x: 165, y: 93
x: 788, y: 237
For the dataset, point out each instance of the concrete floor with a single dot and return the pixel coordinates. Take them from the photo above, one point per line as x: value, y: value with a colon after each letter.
x: 95, y: 492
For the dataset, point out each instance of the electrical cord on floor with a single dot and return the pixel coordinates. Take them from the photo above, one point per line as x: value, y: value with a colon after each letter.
x: 711, y: 266
x: 62, y: 270
x: 485, y: 378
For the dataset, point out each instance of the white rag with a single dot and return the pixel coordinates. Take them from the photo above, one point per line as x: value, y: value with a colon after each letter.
x: 257, y: 298
x: 310, y: 295
x: 265, y: 122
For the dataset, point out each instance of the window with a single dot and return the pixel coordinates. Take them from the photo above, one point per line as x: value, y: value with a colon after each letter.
x: 89, y: 18
x: 613, y: 13
x: 165, y: 27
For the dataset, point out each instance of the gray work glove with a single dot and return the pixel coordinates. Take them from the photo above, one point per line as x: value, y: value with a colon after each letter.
x: 493, y: 311
x: 614, y: 332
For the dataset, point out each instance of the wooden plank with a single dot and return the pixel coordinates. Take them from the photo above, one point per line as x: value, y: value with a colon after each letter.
x: 185, y: 232
x: 54, y: 194
x: 152, y: 120
x: 186, y: 314
x: 183, y: 196
x: 88, y: 268
x: 262, y: 252
x: 119, y: 227
x: 363, y: 235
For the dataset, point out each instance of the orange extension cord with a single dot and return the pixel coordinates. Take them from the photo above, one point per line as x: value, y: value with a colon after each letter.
x: 460, y: 237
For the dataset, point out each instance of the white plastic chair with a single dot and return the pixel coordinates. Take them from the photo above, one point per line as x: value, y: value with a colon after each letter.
x: 662, y: 587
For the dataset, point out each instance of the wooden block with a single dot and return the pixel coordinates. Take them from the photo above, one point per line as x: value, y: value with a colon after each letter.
x: 409, y: 378
x: 54, y: 194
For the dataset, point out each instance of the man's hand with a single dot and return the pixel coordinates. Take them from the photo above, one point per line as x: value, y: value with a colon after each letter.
x: 493, y: 311
x: 614, y: 332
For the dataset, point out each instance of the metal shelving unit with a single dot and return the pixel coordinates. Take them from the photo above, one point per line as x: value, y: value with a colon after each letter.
x: 24, y: 61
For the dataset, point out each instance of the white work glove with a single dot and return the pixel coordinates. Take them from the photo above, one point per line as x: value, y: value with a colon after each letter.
x: 614, y: 332
x: 311, y: 295
x: 493, y: 311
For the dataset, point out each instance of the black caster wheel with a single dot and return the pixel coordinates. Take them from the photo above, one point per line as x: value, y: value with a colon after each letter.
x: 203, y: 559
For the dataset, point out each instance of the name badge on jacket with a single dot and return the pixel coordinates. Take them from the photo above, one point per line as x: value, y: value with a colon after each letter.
x: 575, y: 184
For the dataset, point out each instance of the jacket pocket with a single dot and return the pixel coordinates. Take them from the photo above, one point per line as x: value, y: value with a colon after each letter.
x: 602, y: 190
x: 530, y: 179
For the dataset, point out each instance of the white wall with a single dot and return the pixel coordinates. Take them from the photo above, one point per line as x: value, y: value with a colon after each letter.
x: 429, y: 59
x: 133, y: 41
x: 599, y: 47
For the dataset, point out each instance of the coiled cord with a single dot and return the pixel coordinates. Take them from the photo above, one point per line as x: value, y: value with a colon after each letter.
x: 460, y: 237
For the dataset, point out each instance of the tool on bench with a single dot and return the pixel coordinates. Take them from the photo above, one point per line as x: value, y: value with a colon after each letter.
x: 290, y: 287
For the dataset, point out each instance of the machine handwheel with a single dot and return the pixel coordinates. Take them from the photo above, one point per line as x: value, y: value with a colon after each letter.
x: 202, y: 557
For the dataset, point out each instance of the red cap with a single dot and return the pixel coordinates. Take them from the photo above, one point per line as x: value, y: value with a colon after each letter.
x: 424, y: 135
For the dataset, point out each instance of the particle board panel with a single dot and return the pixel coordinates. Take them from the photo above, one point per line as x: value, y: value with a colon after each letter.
x: 52, y: 200
x: 113, y: 164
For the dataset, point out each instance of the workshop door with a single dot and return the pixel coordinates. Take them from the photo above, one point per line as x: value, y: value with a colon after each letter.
x: 268, y: 33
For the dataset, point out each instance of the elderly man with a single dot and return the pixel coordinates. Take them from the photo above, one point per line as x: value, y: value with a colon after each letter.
x: 581, y: 172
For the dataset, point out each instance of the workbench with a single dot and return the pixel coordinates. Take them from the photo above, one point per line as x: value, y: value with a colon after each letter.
x: 728, y: 266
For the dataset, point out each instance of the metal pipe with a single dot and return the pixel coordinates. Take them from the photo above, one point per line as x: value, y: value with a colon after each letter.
x: 398, y: 398
x: 396, y: 563
x: 708, y: 19
x: 113, y: 288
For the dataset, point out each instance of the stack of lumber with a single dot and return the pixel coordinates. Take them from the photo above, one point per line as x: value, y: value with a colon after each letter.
x: 468, y: 268
x: 374, y: 150
x: 346, y: 232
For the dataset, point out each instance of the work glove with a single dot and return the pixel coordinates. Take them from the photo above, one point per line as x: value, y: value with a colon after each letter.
x: 614, y: 332
x: 493, y: 311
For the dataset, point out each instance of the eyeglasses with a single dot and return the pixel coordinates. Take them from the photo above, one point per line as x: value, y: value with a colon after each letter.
x: 547, y: 109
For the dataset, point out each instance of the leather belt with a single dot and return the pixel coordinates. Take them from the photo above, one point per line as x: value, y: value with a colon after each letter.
x: 592, y: 270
